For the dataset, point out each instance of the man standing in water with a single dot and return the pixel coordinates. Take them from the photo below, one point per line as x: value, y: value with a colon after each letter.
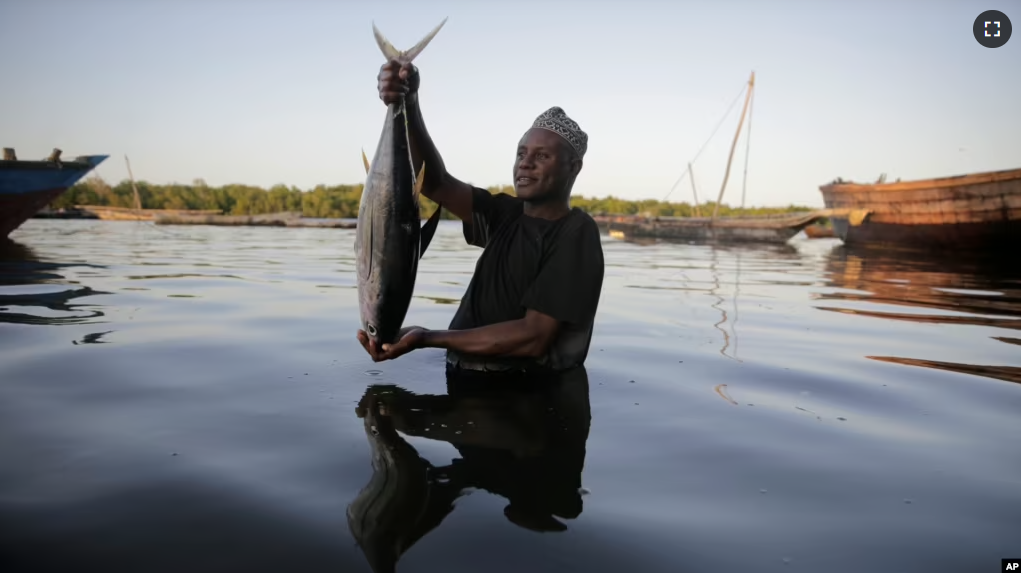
x: 532, y: 301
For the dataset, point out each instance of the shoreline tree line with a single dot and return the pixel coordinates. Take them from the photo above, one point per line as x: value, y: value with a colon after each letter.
x: 338, y: 201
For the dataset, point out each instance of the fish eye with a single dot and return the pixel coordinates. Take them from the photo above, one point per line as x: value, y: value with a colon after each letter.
x: 370, y: 329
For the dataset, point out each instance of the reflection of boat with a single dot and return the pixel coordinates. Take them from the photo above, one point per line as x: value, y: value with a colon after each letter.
x: 526, y: 445
x: 20, y: 266
x: 976, y: 292
x: 986, y: 287
x: 28, y: 186
x: 979, y: 211
x: 719, y: 301
x: 1008, y: 373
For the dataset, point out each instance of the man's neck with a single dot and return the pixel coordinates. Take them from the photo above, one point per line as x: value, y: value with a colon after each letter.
x: 549, y: 210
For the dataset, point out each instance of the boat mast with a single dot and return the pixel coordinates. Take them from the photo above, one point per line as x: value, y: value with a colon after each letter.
x: 733, y: 146
x: 698, y: 210
x: 138, y: 200
x: 747, y: 149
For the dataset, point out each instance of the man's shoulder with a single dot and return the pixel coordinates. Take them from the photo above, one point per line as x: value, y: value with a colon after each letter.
x: 499, y: 198
x: 580, y: 224
x: 584, y: 220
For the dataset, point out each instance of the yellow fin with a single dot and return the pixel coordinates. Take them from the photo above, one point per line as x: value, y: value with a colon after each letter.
x: 365, y: 160
x: 857, y: 217
x: 420, y: 179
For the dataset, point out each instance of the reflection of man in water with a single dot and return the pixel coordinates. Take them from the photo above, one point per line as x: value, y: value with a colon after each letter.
x: 526, y: 445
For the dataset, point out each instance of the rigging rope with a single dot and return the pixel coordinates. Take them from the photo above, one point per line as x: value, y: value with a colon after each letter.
x: 717, y: 128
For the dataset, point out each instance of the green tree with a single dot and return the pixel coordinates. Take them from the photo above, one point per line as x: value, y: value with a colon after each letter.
x: 340, y: 201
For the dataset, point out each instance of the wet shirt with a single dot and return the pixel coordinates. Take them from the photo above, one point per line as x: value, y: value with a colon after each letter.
x: 553, y: 267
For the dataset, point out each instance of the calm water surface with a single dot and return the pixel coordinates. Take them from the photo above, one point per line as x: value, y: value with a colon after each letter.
x: 193, y: 399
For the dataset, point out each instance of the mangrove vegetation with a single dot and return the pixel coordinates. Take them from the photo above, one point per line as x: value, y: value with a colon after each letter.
x: 336, y: 201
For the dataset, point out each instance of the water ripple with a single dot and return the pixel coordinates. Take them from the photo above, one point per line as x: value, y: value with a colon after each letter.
x: 807, y: 407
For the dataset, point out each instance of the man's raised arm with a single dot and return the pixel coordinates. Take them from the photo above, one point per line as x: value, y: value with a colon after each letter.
x: 454, y: 195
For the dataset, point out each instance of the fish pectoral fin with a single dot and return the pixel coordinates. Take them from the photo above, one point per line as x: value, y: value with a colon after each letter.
x: 393, y: 54
x: 365, y: 160
x: 429, y: 227
x: 429, y: 230
x: 419, y: 180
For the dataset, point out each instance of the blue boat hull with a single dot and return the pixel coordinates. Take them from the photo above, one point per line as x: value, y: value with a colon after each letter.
x: 28, y: 186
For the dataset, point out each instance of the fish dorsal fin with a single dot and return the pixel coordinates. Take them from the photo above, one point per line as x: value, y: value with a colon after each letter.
x: 365, y: 160
x: 393, y: 54
x: 419, y: 181
x: 429, y: 230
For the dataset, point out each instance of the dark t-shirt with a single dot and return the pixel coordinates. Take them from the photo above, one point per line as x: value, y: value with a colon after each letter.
x: 553, y: 267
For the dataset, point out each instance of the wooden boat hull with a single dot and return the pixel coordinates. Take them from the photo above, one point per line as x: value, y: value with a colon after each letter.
x: 107, y: 213
x: 28, y: 186
x: 980, y: 211
x: 819, y: 232
x: 777, y: 229
x: 287, y: 219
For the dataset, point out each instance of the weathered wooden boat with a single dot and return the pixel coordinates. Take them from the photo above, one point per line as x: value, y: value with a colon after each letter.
x: 285, y: 219
x: 756, y: 228
x: 108, y: 213
x: 979, y: 211
x: 28, y: 186
x: 137, y: 213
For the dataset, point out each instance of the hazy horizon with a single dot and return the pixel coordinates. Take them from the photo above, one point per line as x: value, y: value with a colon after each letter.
x: 267, y: 92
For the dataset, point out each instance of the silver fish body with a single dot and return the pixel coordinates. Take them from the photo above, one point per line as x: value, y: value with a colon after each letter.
x: 390, y: 237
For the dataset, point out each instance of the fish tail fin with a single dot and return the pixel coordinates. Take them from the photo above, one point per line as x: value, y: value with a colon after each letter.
x: 365, y: 160
x: 405, y: 57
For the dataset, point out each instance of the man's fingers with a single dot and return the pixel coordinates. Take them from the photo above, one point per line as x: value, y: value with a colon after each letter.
x: 391, y: 97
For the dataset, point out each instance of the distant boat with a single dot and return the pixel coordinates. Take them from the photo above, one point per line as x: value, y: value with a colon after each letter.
x: 137, y: 213
x: 746, y: 229
x: 979, y: 211
x: 736, y: 229
x: 28, y: 186
x: 108, y: 213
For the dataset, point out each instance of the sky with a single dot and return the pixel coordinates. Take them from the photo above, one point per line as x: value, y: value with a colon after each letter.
x: 267, y: 92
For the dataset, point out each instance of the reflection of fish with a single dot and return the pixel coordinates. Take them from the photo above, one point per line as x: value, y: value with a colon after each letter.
x: 527, y: 446
x: 387, y: 515
x: 389, y: 241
